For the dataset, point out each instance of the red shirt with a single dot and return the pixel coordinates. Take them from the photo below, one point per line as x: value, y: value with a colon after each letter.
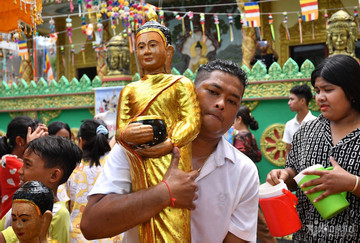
x: 9, y: 180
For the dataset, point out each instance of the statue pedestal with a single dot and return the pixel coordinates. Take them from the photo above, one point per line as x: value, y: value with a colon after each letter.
x: 116, y: 80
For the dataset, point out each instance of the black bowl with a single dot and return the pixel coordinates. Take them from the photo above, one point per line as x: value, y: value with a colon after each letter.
x: 159, y: 130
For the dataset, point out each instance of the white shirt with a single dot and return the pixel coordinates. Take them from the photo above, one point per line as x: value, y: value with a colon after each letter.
x: 227, y: 196
x: 293, y: 125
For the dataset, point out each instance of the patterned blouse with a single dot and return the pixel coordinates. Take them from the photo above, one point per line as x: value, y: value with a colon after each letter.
x: 246, y: 143
x: 312, y: 144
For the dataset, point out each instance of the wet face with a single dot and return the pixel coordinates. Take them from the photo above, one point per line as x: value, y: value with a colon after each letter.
x: 219, y: 97
x: 333, y: 103
x: 294, y: 102
x: 339, y: 39
x: 151, y: 52
x: 63, y: 133
x: 33, y: 169
x: 26, y: 221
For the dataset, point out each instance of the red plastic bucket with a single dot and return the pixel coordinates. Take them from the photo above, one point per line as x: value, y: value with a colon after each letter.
x: 280, y: 214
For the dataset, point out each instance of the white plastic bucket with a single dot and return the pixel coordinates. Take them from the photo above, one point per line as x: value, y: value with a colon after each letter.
x: 267, y: 190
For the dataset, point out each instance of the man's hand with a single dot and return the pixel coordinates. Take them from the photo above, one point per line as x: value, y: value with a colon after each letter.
x: 182, y: 184
x: 137, y: 133
x: 287, y: 175
x: 40, y: 131
x: 157, y: 150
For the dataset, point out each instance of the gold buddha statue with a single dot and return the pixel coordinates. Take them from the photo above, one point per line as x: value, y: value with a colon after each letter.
x: 159, y: 95
x: 118, y: 56
x: 198, y: 56
x: 341, y: 34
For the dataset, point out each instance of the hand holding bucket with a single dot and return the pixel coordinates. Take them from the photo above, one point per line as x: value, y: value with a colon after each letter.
x: 278, y: 206
x: 330, y: 205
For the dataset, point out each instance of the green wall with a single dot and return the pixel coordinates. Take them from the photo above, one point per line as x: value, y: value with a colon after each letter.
x: 267, y: 113
x: 71, y: 117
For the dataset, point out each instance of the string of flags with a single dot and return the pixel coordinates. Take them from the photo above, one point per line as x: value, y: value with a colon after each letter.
x: 131, y: 15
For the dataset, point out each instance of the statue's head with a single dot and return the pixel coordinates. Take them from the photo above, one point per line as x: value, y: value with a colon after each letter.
x: 153, y: 47
x: 115, y: 46
x: 32, y: 203
x: 341, y: 34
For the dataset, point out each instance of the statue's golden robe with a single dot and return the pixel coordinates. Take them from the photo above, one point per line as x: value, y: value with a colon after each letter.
x: 173, y: 98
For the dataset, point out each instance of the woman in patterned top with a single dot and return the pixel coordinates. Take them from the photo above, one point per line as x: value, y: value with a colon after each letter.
x: 333, y: 139
x: 20, y: 131
x: 244, y: 140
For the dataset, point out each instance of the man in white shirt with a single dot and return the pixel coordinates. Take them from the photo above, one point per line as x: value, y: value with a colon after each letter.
x: 226, y: 203
x: 299, y: 99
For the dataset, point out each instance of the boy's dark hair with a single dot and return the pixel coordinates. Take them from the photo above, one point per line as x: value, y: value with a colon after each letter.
x: 96, y: 135
x: 56, y: 126
x: 56, y: 151
x: 343, y: 71
x: 248, y: 119
x: 226, y: 66
x: 36, y: 192
x: 302, y: 91
x: 17, y: 127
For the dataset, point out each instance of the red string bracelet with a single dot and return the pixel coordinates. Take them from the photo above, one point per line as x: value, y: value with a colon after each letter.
x: 172, y: 203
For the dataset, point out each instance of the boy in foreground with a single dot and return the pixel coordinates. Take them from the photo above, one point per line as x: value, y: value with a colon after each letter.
x: 50, y: 160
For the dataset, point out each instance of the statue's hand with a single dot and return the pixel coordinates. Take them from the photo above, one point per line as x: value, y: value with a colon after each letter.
x: 157, y: 150
x: 136, y: 134
x: 44, y: 228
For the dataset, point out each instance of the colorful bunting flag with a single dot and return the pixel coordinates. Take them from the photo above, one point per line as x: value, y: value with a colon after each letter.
x: 202, y: 22
x: 216, y: 19
x: 23, y: 51
x: 191, y: 16
x: 271, y: 21
x: 300, y: 28
x: 309, y: 10
x: 252, y: 14
x: 47, y: 67
x: 230, y: 19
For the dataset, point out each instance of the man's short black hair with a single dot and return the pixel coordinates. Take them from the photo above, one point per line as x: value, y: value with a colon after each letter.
x: 225, y: 66
x: 57, y: 151
x: 302, y: 91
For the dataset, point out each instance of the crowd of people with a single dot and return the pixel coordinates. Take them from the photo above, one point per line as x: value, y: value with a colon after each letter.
x: 95, y: 199
x: 201, y: 182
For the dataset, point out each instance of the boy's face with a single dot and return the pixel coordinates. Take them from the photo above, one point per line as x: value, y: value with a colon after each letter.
x: 219, y: 97
x: 33, y: 169
x: 295, y: 103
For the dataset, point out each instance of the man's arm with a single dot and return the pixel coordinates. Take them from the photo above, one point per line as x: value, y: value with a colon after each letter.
x: 231, y: 238
x: 115, y: 213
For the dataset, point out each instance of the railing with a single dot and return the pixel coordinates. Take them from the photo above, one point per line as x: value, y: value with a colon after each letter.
x: 274, y: 83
